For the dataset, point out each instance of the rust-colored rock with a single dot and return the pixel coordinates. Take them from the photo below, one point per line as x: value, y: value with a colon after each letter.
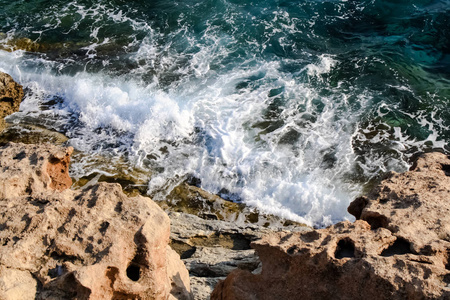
x: 58, y: 170
x: 30, y: 169
x: 11, y: 94
x: 399, y: 249
x: 96, y: 243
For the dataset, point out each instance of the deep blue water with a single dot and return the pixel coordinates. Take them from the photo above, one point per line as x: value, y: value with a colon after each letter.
x: 289, y: 106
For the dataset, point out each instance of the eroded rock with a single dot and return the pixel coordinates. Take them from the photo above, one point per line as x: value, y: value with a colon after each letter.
x: 398, y: 249
x: 211, y: 249
x: 27, y: 170
x: 95, y: 243
x: 11, y: 94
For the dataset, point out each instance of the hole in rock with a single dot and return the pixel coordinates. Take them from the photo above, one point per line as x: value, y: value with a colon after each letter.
x: 54, y: 160
x: 134, y: 272
x: 384, y: 200
x: 447, y: 265
x: 118, y: 207
x: 103, y: 227
x: 427, y: 250
x: 56, y: 271
x: 446, y: 279
x: 400, y: 247
x: 20, y: 156
x: 310, y: 236
x: 446, y: 169
x: 345, y: 248
x: 291, y: 250
x: 7, y: 99
x: 376, y: 220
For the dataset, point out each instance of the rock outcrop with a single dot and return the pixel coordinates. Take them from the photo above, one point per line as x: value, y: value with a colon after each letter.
x: 11, y: 94
x: 398, y: 248
x: 211, y: 249
x: 96, y: 243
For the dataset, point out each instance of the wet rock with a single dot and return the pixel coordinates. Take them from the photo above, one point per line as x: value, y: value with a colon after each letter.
x: 193, y: 200
x: 95, y: 243
x: 90, y: 169
x: 186, y: 198
x: 11, y: 94
x: 31, y: 134
x: 189, y: 231
x: 398, y: 249
x: 19, y: 43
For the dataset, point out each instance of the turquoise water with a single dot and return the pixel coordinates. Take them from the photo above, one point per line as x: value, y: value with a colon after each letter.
x: 289, y: 106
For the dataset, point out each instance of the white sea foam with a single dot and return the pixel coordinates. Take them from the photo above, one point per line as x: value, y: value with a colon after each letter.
x: 280, y: 177
x: 275, y: 140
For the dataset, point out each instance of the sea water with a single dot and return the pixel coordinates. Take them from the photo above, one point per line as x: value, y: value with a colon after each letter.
x: 292, y: 107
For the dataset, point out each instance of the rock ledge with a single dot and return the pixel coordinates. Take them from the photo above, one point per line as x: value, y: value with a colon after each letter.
x: 399, y: 247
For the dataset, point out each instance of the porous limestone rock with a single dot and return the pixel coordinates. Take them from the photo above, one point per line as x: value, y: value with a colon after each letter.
x: 28, y: 169
x: 11, y: 94
x: 16, y: 284
x: 398, y: 248
x: 96, y: 243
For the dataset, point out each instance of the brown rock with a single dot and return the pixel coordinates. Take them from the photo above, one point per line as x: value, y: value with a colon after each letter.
x: 11, y: 95
x: 32, y: 169
x: 16, y: 284
x: 398, y: 250
x: 91, y: 244
x: 413, y: 205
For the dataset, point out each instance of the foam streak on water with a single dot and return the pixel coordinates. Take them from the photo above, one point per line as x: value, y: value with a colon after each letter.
x: 288, y: 107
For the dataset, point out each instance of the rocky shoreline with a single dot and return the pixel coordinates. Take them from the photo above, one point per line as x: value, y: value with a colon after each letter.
x: 399, y: 247
x: 62, y: 243
x: 95, y: 242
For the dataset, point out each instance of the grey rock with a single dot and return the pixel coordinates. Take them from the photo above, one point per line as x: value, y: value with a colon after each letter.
x: 211, y: 249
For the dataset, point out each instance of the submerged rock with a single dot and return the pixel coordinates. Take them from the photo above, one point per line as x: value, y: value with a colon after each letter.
x: 95, y: 243
x: 11, y: 94
x: 399, y: 248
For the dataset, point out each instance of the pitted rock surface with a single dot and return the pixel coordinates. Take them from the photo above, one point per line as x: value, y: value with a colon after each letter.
x: 398, y: 248
x: 96, y: 243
